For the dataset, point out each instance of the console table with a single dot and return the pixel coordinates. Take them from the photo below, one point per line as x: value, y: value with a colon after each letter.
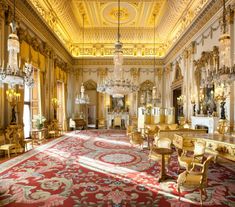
x: 210, y: 122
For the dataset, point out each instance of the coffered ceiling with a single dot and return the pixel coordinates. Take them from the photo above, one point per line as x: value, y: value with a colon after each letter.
x: 64, y: 17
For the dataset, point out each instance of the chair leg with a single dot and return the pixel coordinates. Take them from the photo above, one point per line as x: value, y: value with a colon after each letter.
x: 204, y: 191
x: 201, y: 192
x: 149, y: 162
x: 8, y: 153
x: 215, y: 159
x: 179, y: 192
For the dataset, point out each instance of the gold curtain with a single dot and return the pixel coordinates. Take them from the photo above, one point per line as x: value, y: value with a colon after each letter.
x: 20, y: 106
x: 3, y: 107
x: 61, y: 76
x: 38, y: 61
x: 24, y: 52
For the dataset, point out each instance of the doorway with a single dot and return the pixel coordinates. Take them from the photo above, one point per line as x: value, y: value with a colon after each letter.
x: 91, y: 116
x: 176, y: 93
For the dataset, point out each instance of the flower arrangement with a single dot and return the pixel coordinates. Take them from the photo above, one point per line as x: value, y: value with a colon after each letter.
x: 39, y: 121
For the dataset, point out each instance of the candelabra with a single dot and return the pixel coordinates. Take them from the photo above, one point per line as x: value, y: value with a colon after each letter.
x: 220, y: 97
x: 55, y: 105
x: 201, y: 100
x: 13, y: 98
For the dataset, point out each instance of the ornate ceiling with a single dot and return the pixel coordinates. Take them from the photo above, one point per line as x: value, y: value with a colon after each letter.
x: 64, y: 17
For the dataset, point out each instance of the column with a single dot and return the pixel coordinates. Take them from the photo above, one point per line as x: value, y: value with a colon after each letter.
x: 3, y: 54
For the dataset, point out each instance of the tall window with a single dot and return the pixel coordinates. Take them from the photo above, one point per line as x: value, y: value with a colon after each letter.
x: 61, y: 108
x: 32, y: 103
x: 27, y: 113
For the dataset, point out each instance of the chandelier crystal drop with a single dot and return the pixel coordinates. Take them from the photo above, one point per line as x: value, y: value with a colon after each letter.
x: 116, y: 84
x: 12, y: 74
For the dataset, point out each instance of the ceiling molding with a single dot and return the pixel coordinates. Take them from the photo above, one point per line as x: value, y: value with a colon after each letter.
x: 127, y: 62
x: 205, y: 15
x: 33, y: 21
x: 101, y: 21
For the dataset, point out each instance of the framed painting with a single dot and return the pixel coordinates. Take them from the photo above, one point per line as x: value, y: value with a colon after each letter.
x: 117, y: 104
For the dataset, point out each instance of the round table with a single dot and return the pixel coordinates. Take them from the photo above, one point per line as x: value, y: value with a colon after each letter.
x: 163, y: 152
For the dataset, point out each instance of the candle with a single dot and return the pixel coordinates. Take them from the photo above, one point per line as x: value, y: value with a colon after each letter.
x: 19, y: 61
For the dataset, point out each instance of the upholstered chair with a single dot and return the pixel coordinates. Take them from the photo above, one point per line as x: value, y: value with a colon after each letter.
x: 186, y: 161
x: 117, y: 121
x: 10, y: 142
x: 136, y: 139
x: 130, y: 129
x: 101, y: 123
x: 150, y: 132
x: 182, y: 144
x: 195, y: 178
x: 160, y: 143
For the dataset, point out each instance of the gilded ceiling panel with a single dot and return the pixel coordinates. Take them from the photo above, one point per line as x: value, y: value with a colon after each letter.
x: 137, y: 24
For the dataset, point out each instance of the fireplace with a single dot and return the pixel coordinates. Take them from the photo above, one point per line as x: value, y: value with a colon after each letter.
x: 210, y: 122
x: 202, y: 127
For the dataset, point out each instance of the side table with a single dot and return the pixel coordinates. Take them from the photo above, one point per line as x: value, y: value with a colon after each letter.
x: 38, y: 135
x: 163, y: 152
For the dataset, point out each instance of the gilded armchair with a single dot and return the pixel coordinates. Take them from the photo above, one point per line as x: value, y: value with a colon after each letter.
x: 150, y: 131
x: 136, y: 139
x: 195, y: 179
x: 186, y: 161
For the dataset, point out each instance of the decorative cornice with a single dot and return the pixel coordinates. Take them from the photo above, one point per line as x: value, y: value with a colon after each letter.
x: 210, y: 10
x: 30, y: 17
x: 3, y: 7
x: 109, y: 61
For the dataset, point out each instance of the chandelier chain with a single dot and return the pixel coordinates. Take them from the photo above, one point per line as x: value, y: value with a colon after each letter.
x: 119, y: 21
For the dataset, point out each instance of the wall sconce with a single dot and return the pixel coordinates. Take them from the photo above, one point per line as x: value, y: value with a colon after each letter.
x: 220, y: 96
x: 13, y: 98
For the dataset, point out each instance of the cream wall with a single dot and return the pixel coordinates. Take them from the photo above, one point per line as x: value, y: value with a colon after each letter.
x: 41, y: 41
x: 204, y: 40
x: 32, y: 26
x: 91, y: 72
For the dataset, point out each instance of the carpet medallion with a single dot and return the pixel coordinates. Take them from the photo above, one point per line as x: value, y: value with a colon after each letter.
x: 100, y: 168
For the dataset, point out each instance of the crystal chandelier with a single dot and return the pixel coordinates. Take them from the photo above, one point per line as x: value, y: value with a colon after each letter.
x: 12, y: 74
x: 116, y: 84
x: 225, y: 72
x: 82, y: 98
x: 156, y: 96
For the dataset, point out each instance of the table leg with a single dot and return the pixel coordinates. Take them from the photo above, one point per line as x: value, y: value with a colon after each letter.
x: 163, y: 176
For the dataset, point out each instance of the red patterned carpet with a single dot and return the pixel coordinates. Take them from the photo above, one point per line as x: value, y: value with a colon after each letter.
x: 100, y: 168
